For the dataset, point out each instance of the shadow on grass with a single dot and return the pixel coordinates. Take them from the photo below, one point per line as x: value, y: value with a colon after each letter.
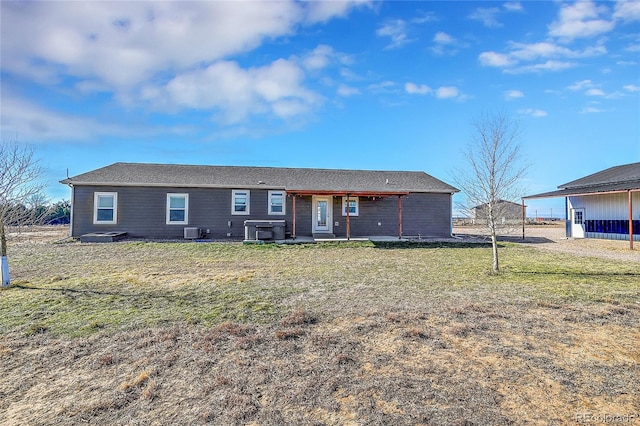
x: 75, y: 290
x: 526, y: 240
x: 578, y: 274
x: 431, y: 244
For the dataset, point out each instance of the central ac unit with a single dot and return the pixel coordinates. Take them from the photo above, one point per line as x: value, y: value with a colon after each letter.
x: 191, y: 233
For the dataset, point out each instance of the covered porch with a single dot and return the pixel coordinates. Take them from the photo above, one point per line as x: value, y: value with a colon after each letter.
x: 325, y: 220
x: 580, y: 224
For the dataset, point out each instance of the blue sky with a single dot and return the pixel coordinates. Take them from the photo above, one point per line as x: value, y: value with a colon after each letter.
x: 366, y: 85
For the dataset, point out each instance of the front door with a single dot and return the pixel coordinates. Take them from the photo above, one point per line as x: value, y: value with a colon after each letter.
x: 577, y: 223
x: 322, y: 207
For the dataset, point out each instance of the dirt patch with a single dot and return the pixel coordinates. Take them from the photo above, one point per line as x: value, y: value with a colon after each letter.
x: 552, y: 237
x: 398, y: 367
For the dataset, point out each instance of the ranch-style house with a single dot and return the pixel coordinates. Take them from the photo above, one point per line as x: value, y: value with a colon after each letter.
x: 161, y: 201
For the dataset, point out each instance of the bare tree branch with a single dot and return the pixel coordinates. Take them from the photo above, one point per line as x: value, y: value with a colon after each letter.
x: 494, y: 173
x: 20, y: 185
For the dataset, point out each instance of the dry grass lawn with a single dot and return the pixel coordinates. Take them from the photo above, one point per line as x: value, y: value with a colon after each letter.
x: 347, y: 334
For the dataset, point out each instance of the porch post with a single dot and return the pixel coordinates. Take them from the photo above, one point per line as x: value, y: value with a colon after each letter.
x: 630, y: 220
x: 399, y: 217
x: 293, y: 231
x: 348, y: 218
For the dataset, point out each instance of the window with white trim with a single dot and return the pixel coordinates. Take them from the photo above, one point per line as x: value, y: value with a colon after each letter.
x: 177, y: 209
x: 105, y: 208
x: 277, y: 202
x: 240, y: 201
x: 352, y: 204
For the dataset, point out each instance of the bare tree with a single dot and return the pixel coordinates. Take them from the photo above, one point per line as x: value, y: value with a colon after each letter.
x: 494, y: 172
x: 19, y: 185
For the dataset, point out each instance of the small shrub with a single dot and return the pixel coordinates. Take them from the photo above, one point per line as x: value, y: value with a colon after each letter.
x: 415, y: 332
x: 247, y: 342
x: 298, y: 317
x: 289, y: 333
x: 106, y: 360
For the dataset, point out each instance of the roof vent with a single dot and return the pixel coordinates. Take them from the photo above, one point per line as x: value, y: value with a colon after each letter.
x: 260, y: 182
x: 386, y: 182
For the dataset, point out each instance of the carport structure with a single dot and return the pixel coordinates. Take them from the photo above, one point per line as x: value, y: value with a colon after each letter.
x: 604, y: 205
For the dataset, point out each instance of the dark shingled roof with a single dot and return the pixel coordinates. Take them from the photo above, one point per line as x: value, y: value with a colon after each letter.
x: 290, y: 179
x: 614, y: 179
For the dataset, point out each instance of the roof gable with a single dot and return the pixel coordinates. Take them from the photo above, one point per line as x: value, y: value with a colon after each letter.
x: 290, y: 179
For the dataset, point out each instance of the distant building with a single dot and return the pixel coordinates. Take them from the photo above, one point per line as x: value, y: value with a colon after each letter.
x: 506, y: 212
x: 605, y: 204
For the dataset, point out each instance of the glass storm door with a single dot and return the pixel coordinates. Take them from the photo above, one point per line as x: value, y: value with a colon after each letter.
x: 577, y: 223
x: 322, y: 214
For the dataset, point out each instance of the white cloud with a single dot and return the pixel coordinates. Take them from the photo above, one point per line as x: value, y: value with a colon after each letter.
x: 487, y: 15
x: 123, y: 46
x: 495, y: 59
x: 28, y: 122
x: 443, y: 92
x: 632, y: 88
x: 627, y: 10
x: 447, y: 92
x: 414, y: 89
x: 424, y: 17
x: 518, y: 53
x: 319, y: 58
x: 591, y: 110
x: 396, y: 30
x: 594, y: 92
x: 443, y: 38
x: 513, y: 6
x: 383, y: 87
x: 322, y: 11
x: 513, y: 94
x: 537, y: 113
x: 544, y: 66
x: 141, y: 52
x: 236, y: 93
x: 533, y: 51
x: 346, y: 91
x: 581, y: 19
x: 632, y: 48
x: 580, y: 85
x: 446, y: 44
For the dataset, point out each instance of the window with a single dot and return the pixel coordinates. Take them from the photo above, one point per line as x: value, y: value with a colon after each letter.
x: 177, y: 209
x: 577, y: 218
x: 277, y: 202
x: 240, y: 201
x: 105, y: 208
x: 351, y: 204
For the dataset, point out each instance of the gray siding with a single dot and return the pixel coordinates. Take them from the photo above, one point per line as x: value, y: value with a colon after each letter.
x: 142, y: 213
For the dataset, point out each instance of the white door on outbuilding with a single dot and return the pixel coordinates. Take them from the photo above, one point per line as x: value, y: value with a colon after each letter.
x: 577, y: 223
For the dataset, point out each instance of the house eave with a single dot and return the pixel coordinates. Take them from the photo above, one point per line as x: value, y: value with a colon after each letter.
x: 296, y: 191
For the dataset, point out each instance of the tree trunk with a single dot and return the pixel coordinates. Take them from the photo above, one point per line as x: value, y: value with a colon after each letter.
x: 3, y: 240
x: 494, y: 246
x: 4, y: 263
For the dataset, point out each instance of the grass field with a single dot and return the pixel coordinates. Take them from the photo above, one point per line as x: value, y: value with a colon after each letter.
x: 351, y: 333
